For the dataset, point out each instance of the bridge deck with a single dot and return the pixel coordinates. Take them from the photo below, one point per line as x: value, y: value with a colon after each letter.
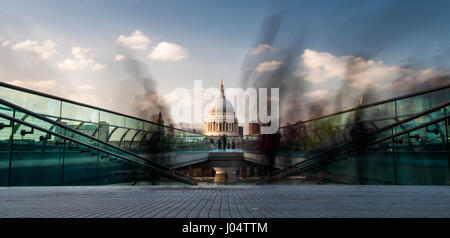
x: 226, y: 201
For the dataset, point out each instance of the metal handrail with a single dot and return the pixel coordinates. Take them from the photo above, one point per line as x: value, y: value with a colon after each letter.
x: 14, y: 87
x: 19, y: 108
x: 185, y: 179
x: 353, y: 123
x: 412, y: 117
x: 296, y: 170
x: 295, y: 166
x: 372, y: 104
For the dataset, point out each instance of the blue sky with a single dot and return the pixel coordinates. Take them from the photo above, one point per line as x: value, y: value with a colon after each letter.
x: 217, y: 34
x: 216, y: 37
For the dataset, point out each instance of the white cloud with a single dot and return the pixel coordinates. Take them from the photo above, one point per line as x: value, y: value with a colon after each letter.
x: 166, y: 51
x: 85, y: 87
x: 44, y: 50
x: 85, y: 93
x: 322, y: 67
x: 137, y: 41
x: 5, y: 43
x: 81, y: 61
x: 48, y: 86
x: 260, y: 49
x: 318, y: 94
x: 268, y: 66
x: 119, y: 57
x: 410, y: 78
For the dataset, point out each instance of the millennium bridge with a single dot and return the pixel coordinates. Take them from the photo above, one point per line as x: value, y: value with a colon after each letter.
x: 53, y: 145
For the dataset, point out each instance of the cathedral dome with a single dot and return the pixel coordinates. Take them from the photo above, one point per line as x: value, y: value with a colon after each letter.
x: 221, y: 104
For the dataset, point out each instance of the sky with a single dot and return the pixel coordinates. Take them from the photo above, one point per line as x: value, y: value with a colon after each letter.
x: 79, y: 49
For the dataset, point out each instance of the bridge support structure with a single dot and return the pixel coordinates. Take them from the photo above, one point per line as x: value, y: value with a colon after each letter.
x: 225, y: 175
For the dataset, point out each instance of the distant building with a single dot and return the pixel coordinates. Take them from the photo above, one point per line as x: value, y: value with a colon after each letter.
x: 87, y: 129
x: 254, y: 128
x: 222, y: 118
x: 100, y: 131
x: 241, y: 131
x: 103, y: 131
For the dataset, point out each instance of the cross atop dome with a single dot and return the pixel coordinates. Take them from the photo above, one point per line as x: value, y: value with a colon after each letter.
x: 222, y: 91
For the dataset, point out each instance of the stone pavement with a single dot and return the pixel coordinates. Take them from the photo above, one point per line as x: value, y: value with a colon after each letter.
x: 226, y: 201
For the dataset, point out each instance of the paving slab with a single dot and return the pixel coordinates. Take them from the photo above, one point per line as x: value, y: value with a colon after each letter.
x: 226, y: 201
